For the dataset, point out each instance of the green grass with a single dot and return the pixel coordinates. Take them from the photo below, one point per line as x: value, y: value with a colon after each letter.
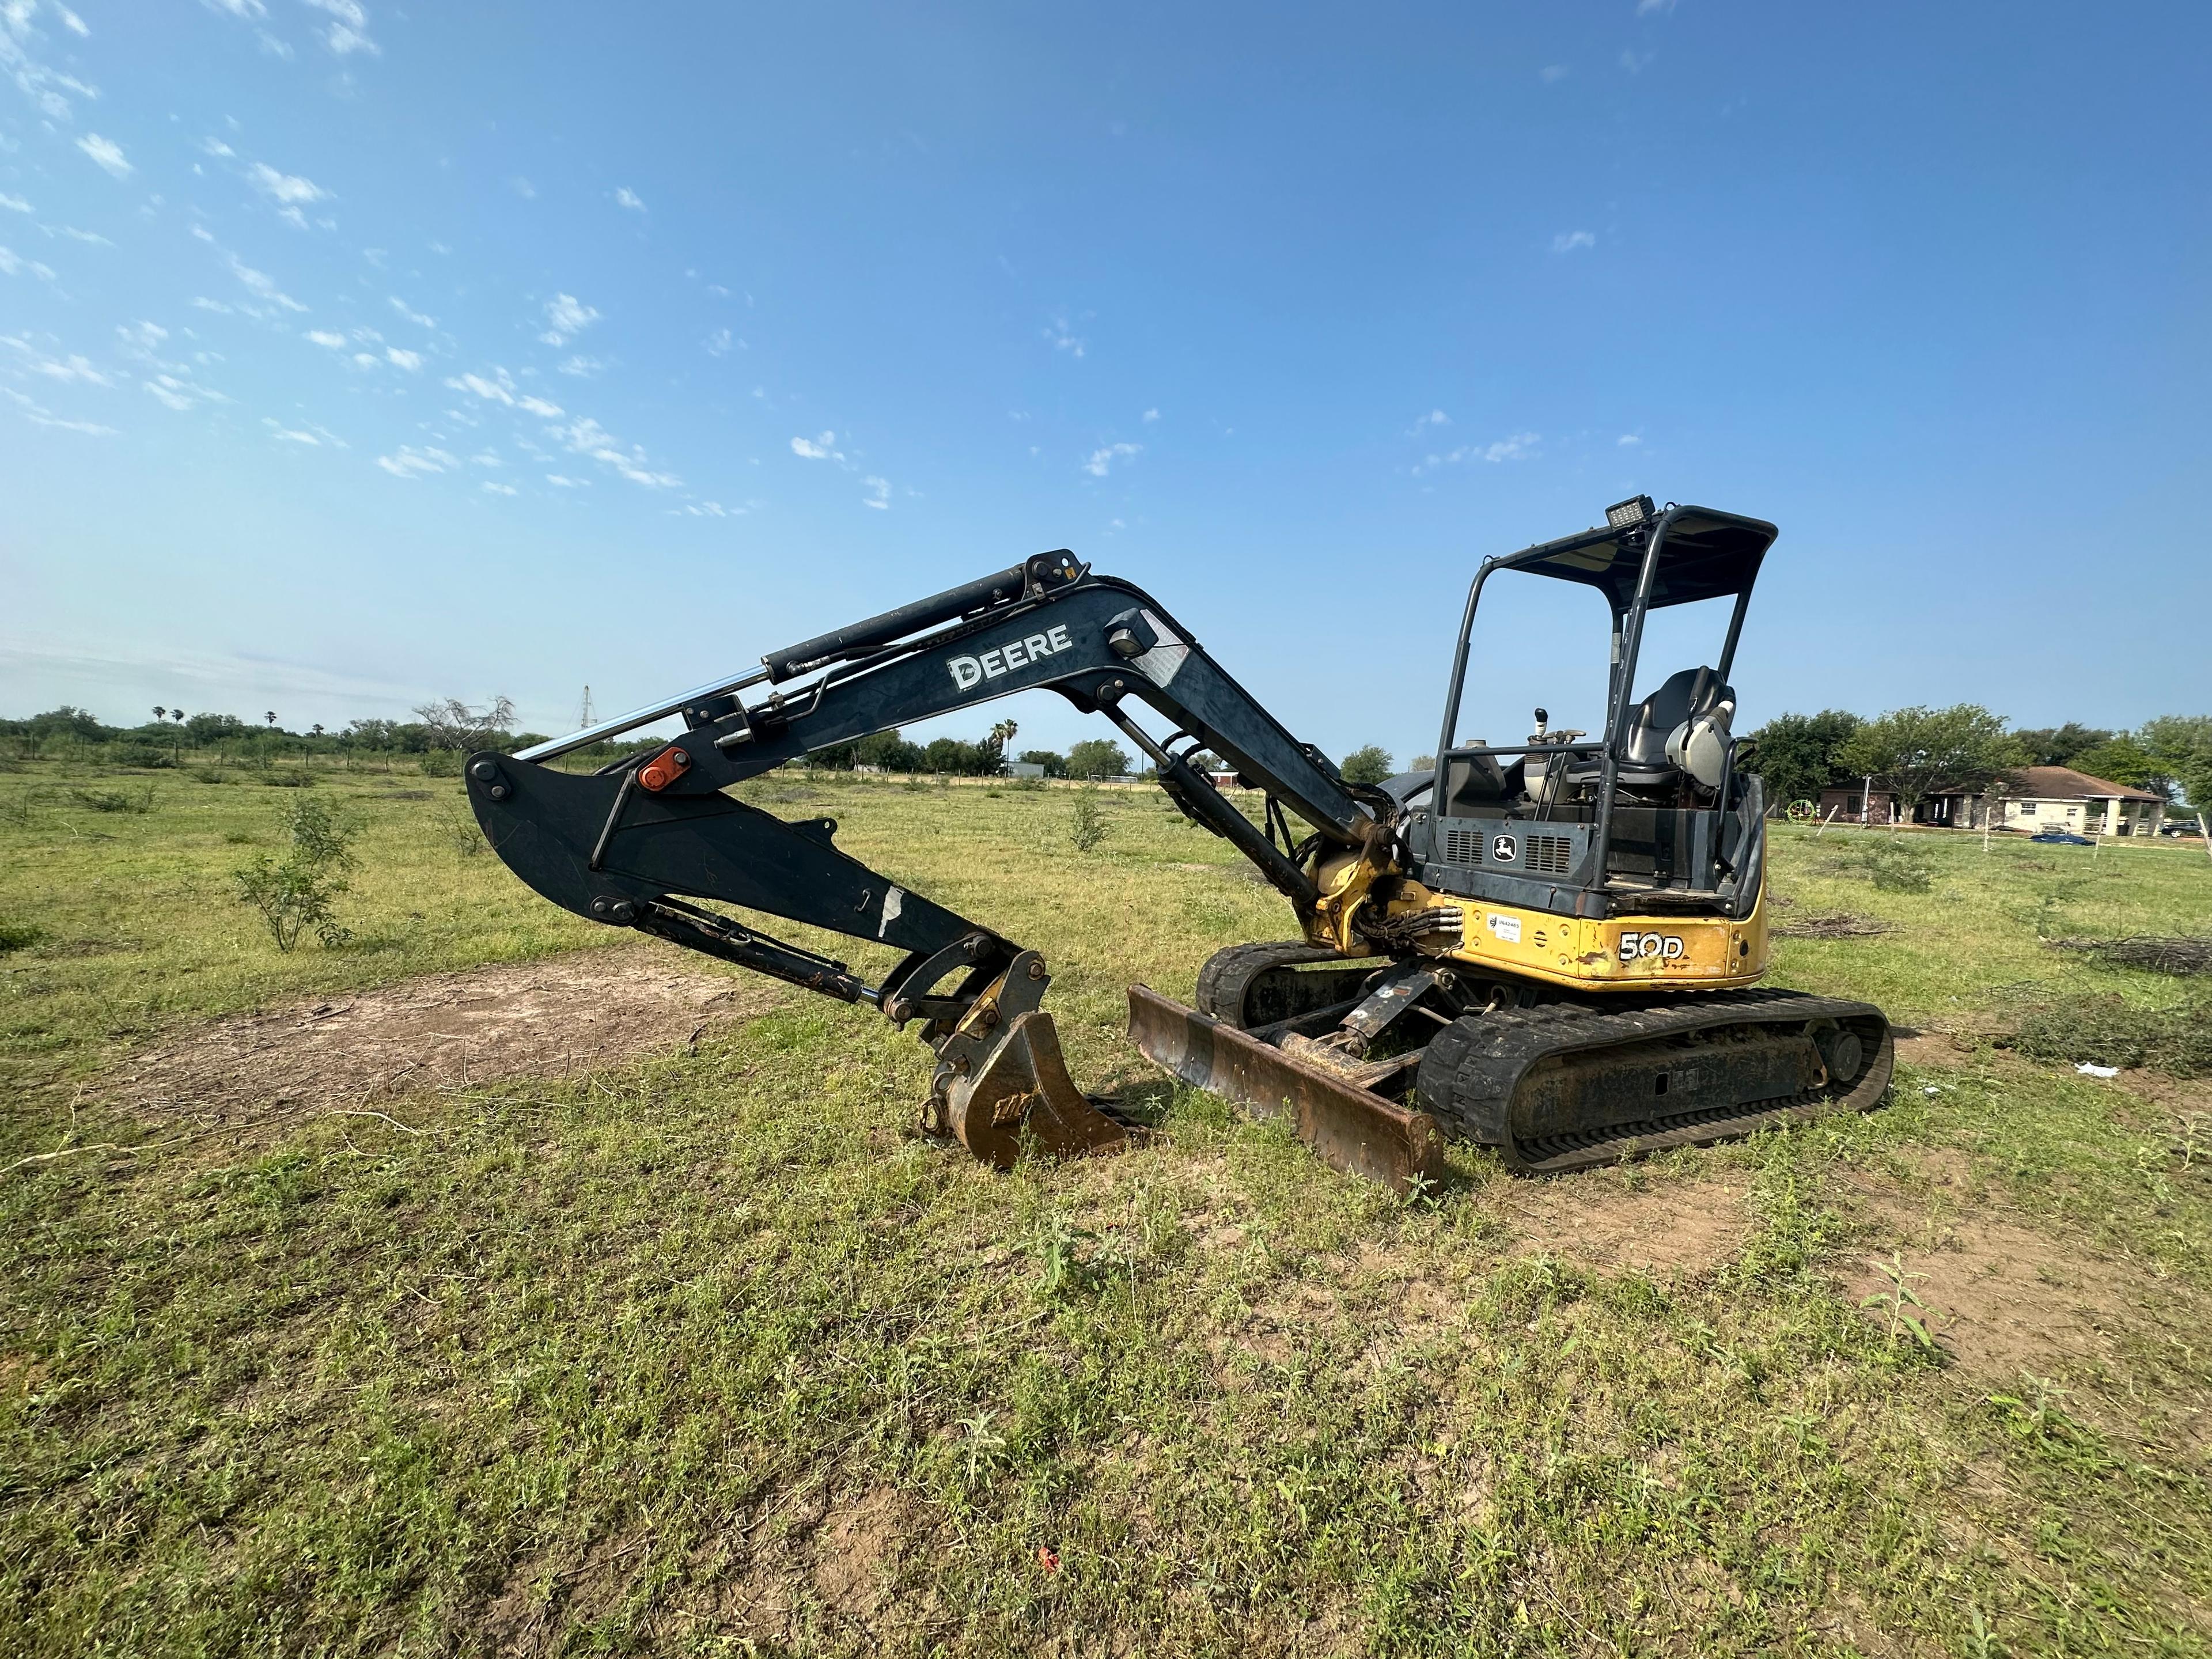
x: 705, y: 1354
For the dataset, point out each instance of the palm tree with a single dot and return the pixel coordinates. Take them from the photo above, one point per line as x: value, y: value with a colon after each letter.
x: 160, y: 713
x: 271, y: 718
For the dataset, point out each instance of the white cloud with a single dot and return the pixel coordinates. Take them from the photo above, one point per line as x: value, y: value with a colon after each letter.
x: 1434, y: 418
x: 822, y: 448
x: 91, y: 236
x: 497, y: 488
x: 538, y: 406
x: 1518, y: 448
x: 1568, y: 240
x: 14, y: 203
x: 11, y: 262
x: 561, y: 482
x: 501, y: 391
x: 348, y: 31
x: 39, y: 415
x: 1628, y: 440
x: 44, y: 86
x: 1645, y: 7
x: 1063, y: 338
x: 629, y: 198
x: 1552, y: 73
x: 249, y: 11
x: 586, y: 436
x: 719, y: 342
x: 285, y: 435
x: 285, y: 187
x: 179, y: 394
x: 524, y: 188
x: 216, y: 148
x: 72, y: 21
x: 1103, y: 458
x: 565, y: 314
x: 323, y: 337
x: 582, y: 367
x: 1151, y: 415
x: 410, y: 462
x: 141, y: 339
x: 261, y: 283
x: 67, y: 370
x: 411, y: 315
x: 879, y: 492
x: 410, y: 361
x: 105, y: 153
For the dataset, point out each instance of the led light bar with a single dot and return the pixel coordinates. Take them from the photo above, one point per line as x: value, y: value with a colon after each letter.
x: 1633, y: 511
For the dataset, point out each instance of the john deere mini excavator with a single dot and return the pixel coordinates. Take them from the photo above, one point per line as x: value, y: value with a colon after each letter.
x: 1548, y: 948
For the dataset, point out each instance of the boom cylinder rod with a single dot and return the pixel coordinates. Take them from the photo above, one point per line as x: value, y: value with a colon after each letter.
x: 637, y: 717
x: 861, y: 637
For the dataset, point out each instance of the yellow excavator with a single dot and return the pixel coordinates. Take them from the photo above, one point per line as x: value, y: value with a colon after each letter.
x: 1550, y: 948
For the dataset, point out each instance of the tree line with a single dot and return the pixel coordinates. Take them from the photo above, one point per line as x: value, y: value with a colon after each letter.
x: 1919, y: 752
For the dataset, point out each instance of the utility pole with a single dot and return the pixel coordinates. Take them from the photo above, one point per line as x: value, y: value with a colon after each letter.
x: 584, y: 719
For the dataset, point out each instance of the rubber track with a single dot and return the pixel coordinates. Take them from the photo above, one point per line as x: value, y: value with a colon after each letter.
x: 1226, y: 979
x: 1474, y: 1065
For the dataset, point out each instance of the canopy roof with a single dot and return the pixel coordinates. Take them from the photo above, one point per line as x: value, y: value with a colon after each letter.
x: 1706, y: 555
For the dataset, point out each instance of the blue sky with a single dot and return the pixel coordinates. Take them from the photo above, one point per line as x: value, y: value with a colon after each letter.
x: 351, y: 355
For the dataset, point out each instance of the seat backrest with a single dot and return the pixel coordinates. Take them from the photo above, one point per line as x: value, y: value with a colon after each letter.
x: 1680, y: 696
x: 1475, y: 786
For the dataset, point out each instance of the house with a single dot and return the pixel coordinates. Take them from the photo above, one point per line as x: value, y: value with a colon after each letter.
x: 1224, y: 779
x: 1855, y: 805
x: 2050, y: 797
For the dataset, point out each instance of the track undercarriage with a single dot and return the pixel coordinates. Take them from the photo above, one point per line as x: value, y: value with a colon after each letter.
x: 1379, y: 1062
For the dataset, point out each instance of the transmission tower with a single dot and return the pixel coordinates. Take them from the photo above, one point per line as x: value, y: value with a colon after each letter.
x: 584, y: 719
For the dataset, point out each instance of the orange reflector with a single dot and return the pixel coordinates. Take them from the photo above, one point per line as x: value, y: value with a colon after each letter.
x: 664, y: 769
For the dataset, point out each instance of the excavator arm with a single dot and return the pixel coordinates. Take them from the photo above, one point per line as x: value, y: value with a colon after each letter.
x: 639, y: 843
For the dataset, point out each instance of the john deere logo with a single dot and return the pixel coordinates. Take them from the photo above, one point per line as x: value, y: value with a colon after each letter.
x: 1504, y: 849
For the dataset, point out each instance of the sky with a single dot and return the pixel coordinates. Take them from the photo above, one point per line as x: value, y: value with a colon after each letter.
x: 353, y: 355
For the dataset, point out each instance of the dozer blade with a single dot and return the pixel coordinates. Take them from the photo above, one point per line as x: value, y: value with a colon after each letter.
x: 1023, y: 1093
x: 1351, y: 1129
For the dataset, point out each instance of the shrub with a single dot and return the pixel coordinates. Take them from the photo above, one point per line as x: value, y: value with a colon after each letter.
x: 1897, y: 866
x: 441, y: 763
x: 145, y: 757
x: 465, y: 835
x: 19, y: 935
x: 1087, y: 828
x: 300, y: 892
x: 2106, y: 1030
x: 1369, y: 765
x: 113, y: 800
x: 210, y: 775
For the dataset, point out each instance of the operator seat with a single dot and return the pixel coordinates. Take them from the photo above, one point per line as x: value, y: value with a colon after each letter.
x: 1662, y: 725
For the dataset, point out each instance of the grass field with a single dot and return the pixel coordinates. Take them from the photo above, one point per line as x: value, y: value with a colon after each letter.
x: 703, y: 1353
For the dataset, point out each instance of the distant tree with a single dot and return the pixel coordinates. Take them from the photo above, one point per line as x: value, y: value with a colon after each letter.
x: 890, y: 751
x: 1368, y: 764
x: 1001, y: 735
x: 2118, y: 760
x: 1919, y: 752
x: 67, y: 721
x: 207, y: 729
x: 1797, y: 756
x: 2058, y: 745
x: 2181, y: 745
x: 271, y: 718
x: 160, y: 713
x: 1422, y: 763
x: 1054, y: 762
x: 452, y: 724
x: 317, y: 728
x: 1098, y: 758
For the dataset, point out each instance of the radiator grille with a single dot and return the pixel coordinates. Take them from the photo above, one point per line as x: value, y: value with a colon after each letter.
x: 1462, y: 847
x: 1550, y: 856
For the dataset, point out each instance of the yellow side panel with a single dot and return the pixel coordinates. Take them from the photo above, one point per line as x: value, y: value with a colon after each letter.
x: 1625, y: 953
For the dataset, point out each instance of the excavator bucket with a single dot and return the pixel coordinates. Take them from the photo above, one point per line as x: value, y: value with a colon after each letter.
x: 1351, y: 1129
x: 1022, y: 1094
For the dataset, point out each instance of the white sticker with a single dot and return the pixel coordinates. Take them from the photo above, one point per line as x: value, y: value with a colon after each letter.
x: 1001, y: 660
x: 894, y: 901
x: 1507, y: 928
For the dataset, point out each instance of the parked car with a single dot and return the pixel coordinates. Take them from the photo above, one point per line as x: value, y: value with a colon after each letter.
x: 2061, y: 838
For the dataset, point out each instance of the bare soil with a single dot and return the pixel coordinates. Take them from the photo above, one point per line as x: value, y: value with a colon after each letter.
x: 1660, y: 1226
x: 2002, y: 1299
x: 558, y: 1017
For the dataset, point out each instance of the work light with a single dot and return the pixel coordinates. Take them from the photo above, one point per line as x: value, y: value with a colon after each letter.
x: 1633, y: 511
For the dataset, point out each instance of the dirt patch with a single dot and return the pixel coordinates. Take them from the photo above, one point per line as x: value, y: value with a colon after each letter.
x: 2002, y: 1299
x: 1666, y: 1227
x: 855, y: 1552
x: 555, y: 1018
